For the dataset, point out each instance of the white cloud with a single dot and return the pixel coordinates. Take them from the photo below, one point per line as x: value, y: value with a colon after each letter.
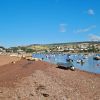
x: 85, y: 29
x: 62, y: 27
x: 90, y: 12
x: 94, y: 37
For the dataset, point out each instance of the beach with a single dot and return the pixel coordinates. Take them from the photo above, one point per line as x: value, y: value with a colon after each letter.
x: 39, y: 80
x: 6, y: 59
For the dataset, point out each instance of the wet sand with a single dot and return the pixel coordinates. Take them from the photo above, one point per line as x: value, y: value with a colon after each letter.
x: 38, y: 80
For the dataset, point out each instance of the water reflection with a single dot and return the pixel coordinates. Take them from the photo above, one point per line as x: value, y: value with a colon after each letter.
x: 87, y: 63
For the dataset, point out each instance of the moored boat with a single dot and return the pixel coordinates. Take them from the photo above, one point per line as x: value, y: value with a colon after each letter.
x: 96, y: 57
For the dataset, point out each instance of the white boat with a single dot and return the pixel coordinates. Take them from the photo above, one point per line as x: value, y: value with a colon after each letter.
x: 96, y: 57
x: 85, y: 57
x: 80, y: 61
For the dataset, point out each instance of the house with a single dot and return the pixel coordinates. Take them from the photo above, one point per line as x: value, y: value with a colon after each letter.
x: 2, y: 50
x: 19, y: 51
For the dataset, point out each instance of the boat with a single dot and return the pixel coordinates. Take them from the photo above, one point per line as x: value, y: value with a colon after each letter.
x: 68, y: 65
x: 97, y: 57
x: 85, y: 57
x: 80, y: 61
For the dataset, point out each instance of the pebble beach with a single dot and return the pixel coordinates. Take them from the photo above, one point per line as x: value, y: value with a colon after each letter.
x: 39, y: 80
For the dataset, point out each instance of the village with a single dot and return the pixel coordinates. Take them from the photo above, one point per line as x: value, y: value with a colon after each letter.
x: 87, y: 47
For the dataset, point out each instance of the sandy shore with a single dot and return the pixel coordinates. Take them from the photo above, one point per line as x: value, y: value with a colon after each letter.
x: 37, y: 80
x: 5, y: 59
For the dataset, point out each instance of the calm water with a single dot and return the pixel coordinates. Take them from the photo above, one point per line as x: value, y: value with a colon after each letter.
x: 88, y: 65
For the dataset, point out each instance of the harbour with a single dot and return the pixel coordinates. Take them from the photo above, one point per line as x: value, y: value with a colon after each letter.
x: 89, y: 64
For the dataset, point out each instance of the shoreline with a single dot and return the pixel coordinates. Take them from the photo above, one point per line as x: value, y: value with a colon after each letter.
x: 87, y: 72
x: 7, y: 59
x: 26, y: 80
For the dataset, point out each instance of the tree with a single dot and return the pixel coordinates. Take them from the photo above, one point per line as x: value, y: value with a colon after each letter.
x: 2, y: 47
x: 14, y: 49
x: 30, y: 50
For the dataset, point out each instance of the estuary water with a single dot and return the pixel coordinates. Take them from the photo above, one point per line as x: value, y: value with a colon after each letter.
x: 89, y: 64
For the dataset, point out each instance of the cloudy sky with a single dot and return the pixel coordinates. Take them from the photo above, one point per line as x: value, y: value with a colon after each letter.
x: 25, y: 22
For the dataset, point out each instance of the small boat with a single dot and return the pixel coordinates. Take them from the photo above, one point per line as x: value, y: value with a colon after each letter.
x: 80, y: 61
x: 96, y: 57
x: 68, y: 65
x: 85, y: 57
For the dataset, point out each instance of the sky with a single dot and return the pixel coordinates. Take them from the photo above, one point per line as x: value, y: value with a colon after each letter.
x: 24, y: 22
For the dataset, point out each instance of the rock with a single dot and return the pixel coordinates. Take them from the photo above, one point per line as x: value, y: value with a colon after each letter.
x: 45, y: 94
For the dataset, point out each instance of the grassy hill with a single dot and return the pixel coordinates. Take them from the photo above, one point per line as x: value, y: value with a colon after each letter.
x: 52, y: 47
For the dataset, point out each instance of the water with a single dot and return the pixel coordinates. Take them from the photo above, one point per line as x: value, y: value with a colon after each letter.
x: 89, y: 64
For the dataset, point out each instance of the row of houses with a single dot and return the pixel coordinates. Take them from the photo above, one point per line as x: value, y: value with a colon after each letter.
x: 2, y: 50
x: 79, y: 47
x: 59, y: 48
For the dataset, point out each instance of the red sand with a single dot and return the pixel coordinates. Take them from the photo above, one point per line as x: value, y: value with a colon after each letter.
x: 5, y: 59
x: 37, y: 80
x: 12, y: 72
